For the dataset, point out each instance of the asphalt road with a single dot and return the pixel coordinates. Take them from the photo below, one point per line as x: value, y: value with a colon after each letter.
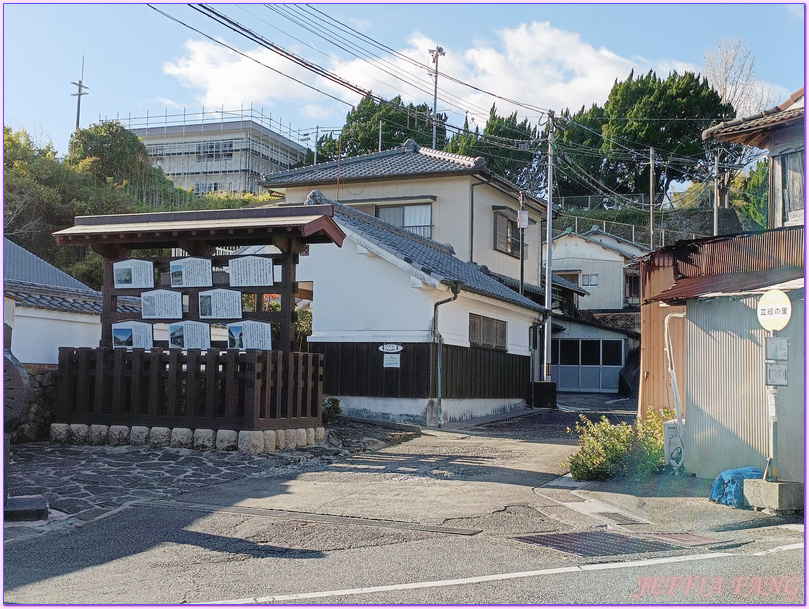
x: 452, y: 516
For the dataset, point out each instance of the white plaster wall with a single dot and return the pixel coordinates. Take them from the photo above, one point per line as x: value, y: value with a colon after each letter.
x: 38, y: 334
x: 363, y: 296
x: 360, y: 297
x: 574, y: 254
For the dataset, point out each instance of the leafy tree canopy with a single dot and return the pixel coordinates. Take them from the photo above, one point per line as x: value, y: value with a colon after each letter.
x: 360, y: 135
x: 505, y: 144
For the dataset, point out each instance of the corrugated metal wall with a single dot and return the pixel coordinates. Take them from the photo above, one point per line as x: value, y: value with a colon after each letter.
x: 727, y: 425
x: 792, y: 400
x: 655, y: 384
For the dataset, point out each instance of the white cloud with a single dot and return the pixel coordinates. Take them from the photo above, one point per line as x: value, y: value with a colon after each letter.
x: 533, y: 62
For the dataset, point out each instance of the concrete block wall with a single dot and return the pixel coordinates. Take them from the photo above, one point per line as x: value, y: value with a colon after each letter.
x: 248, y: 442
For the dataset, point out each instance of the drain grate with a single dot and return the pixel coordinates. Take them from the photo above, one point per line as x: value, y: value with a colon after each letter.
x: 596, y: 543
x: 619, y: 518
x: 686, y: 540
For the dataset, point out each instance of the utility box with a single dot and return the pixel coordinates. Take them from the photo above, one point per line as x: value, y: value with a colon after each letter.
x: 672, y: 445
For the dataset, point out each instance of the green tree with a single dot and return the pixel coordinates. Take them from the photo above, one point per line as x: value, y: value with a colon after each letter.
x: 635, y: 108
x: 115, y: 157
x: 360, y: 135
x: 751, y: 200
x: 505, y: 144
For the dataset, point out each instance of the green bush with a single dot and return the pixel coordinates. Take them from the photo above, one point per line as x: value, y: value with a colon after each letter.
x: 608, y: 450
x: 331, y: 408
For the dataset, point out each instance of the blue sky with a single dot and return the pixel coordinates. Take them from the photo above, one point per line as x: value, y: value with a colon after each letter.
x: 555, y: 56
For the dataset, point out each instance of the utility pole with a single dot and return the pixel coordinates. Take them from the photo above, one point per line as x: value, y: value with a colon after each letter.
x: 652, y: 198
x: 716, y: 194
x: 522, y: 224
x: 380, y: 136
x: 436, y: 53
x: 548, y: 247
x: 317, y: 136
x: 80, y: 86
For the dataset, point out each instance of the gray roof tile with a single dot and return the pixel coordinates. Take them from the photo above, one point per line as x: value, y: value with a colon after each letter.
x: 407, y: 160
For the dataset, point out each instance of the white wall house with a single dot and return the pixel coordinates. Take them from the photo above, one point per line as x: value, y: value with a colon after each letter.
x: 381, y: 288
x: 599, y: 263
x: 450, y: 198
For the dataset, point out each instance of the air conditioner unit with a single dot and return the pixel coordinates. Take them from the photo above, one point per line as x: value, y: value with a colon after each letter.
x: 672, y: 445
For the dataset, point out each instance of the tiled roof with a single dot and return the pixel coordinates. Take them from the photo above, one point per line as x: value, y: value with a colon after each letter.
x: 407, y: 160
x: 63, y: 299
x: 21, y: 265
x: 590, y: 237
x: 753, y: 130
x: 428, y: 256
x: 34, y: 283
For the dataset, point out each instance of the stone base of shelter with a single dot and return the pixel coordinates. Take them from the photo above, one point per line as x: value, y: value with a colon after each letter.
x: 248, y: 442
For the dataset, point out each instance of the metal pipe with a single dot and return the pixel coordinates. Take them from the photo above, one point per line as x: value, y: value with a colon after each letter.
x: 437, y: 338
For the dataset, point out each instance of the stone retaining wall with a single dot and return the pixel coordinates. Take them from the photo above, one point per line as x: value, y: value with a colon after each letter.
x: 249, y: 442
x: 43, y: 385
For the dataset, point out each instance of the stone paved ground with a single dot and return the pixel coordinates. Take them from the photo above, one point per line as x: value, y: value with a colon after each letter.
x: 84, y: 483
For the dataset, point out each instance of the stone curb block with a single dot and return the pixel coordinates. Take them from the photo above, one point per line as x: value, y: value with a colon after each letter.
x: 247, y: 441
x: 119, y: 435
x: 182, y: 437
x: 204, y: 439
x: 251, y: 442
x: 139, y: 435
x: 227, y: 439
x: 79, y: 434
x: 269, y: 441
x: 160, y: 437
x: 280, y: 439
x: 60, y: 433
x: 98, y: 435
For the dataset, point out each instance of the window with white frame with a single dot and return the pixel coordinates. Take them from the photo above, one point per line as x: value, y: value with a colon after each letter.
x: 414, y: 218
x: 589, y: 280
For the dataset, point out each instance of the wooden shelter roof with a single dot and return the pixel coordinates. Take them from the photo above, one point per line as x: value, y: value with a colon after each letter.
x: 261, y: 225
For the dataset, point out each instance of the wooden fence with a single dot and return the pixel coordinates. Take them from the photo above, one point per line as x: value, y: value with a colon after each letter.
x: 252, y: 390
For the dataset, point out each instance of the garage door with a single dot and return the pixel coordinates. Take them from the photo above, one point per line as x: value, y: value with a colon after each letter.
x: 587, y: 365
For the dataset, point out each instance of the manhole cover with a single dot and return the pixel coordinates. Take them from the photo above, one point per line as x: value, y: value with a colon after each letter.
x: 619, y: 518
x: 596, y: 543
x: 686, y: 540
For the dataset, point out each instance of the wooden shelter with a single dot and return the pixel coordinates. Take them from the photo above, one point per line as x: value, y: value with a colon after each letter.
x: 222, y: 386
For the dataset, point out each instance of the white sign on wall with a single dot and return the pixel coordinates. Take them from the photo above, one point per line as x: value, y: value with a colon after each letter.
x: 251, y: 271
x: 774, y: 310
x: 161, y: 304
x: 132, y: 334
x: 220, y: 304
x: 250, y: 335
x: 189, y: 335
x: 133, y: 274
x: 191, y: 272
x: 392, y: 360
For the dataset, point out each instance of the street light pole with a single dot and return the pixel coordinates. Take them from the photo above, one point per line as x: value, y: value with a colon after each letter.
x: 436, y: 53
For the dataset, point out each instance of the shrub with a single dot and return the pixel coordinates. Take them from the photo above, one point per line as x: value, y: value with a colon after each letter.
x: 604, y: 450
x: 331, y: 408
x: 607, y: 450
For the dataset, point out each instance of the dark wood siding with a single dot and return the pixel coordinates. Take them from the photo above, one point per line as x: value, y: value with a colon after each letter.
x: 356, y: 369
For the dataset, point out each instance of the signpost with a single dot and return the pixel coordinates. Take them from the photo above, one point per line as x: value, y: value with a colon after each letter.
x: 774, y: 311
